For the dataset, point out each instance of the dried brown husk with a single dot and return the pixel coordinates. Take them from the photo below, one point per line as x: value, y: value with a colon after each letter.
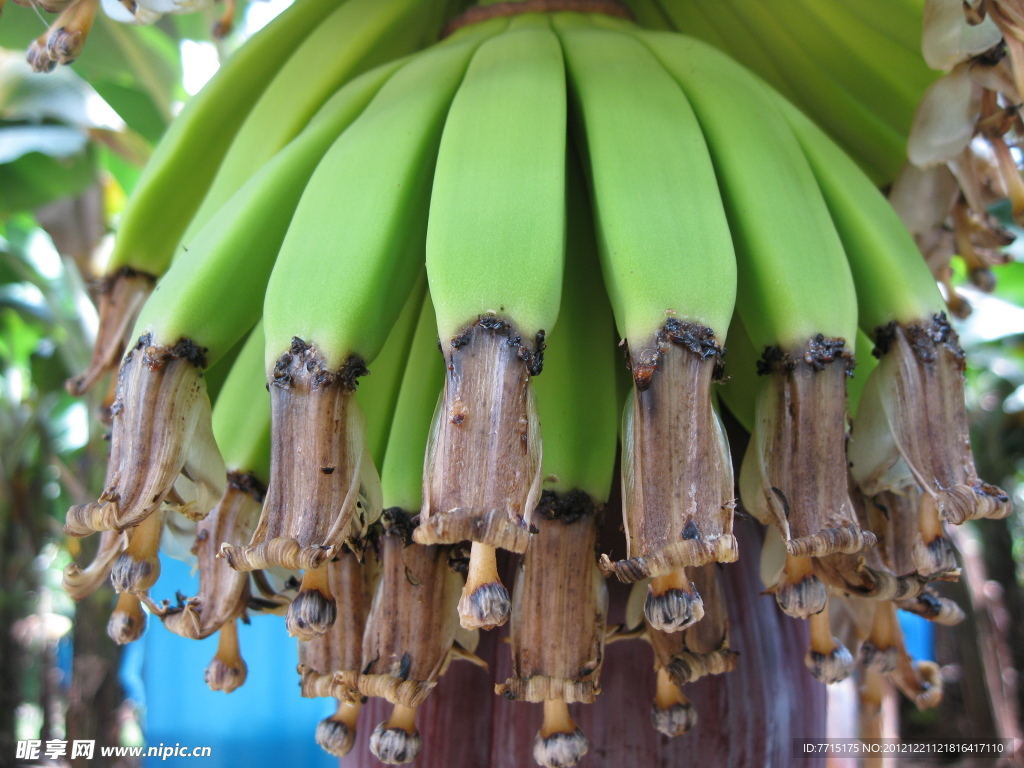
x: 161, y: 428
x: 325, y: 662
x: 121, y: 296
x: 137, y: 568
x: 412, y: 622
x: 127, y: 621
x: 482, y: 472
x: 800, y: 437
x: 78, y: 582
x: 227, y: 670
x: 678, y: 493
x: 912, y: 539
x: 866, y: 574
x: 222, y: 590
x: 919, y: 386
x: 559, y: 609
x: 324, y: 490
x: 702, y: 649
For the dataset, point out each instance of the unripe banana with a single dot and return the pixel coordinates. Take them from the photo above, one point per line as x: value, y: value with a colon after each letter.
x: 669, y: 266
x: 161, y: 414
x: 358, y: 36
x: 560, y: 600
x: 495, y: 247
x: 796, y: 297
x: 367, y: 201
x: 178, y: 174
x: 917, y: 391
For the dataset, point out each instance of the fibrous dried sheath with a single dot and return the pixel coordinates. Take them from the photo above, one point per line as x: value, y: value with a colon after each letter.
x: 910, y: 536
x: 127, y: 620
x: 482, y: 470
x: 866, y: 574
x: 702, y: 649
x: 677, y: 475
x: 919, y: 387
x: 800, y: 442
x: 412, y: 622
x: 323, y: 487
x: 78, y: 582
x: 121, y: 296
x: 325, y: 661
x: 559, y: 607
x: 161, y: 427
x: 222, y: 590
x: 227, y: 670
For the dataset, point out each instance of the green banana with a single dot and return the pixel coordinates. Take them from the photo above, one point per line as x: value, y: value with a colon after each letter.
x: 669, y: 267
x: 325, y: 319
x: 162, y: 414
x: 918, y: 385
x: 358, y: 36
x: 496, y: 284
x: 378, y: 396
x: 796, y: 296
x: 178, y: 174
x: 560, y: 598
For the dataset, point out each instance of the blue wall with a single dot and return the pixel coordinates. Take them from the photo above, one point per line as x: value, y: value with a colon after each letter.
x: 264, y: 723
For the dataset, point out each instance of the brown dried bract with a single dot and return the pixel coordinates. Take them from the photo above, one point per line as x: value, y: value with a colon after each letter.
x: 558, y: 612
x: 121, y: 296
x: 678, y: 495
x: 78, y: 582
x: 482, y: 471
x: 702, y: 649
x: 913, y: 409
x: 222, y: 590
x: 800, y: 439
x: 161, y: 429
x: 310, y: 512
x: 413, y: 621
x: 325, y: 662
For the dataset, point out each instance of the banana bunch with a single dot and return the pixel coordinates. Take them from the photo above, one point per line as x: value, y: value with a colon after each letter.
x: 526, y: 194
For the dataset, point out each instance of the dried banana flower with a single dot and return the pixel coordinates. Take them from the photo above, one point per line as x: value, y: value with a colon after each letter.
x: 677, y: 474
x: 161, y: 428
x: 482, y: 471
x: 558, y: 623
x: 78, y: 582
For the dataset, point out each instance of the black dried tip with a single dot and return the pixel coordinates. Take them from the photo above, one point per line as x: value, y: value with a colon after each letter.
x: 566, y: 507
x: 488, y: 606
x: 819, y: 352
x: 247, y: 483
x: 395, y: 745
x: 221, y: 676
x: 803, y: 598
x: 334, y: 737
x: 833, y: 667
x: 131, y: 575
x: 882, y: 660
x: 674, y: 721
x: 303, y: 357
x: 698, y: 339
x: 673, y: 610
x: 560, y: 750
x: 534, y: 358
x: 924, y: 338
x: 399, y: 523
x: 124, y: 627
x: 157, y: 357
x: 310, y: 615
